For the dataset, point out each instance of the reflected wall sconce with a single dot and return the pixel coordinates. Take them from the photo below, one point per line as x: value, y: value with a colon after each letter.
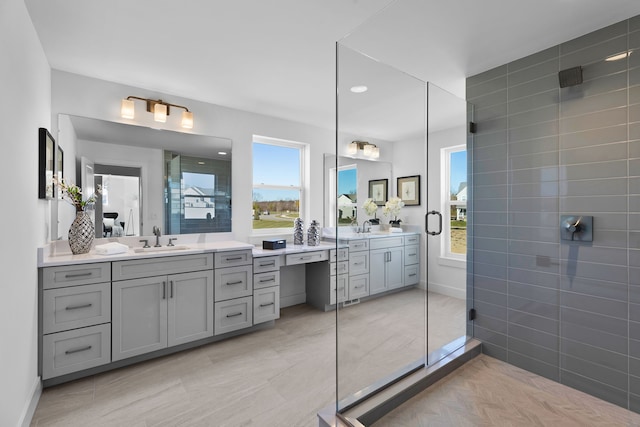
x: 159, y: 108
x: 368, y: 150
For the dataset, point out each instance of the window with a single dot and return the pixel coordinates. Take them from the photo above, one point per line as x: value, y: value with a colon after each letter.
x: 278, y: 183
x: 454, y: 198
x: 347, y: 198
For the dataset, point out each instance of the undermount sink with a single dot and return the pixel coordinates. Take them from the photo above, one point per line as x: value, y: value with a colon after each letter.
x: 161, y: 249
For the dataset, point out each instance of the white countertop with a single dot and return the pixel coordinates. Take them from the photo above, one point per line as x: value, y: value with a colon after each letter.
x: 50, y: 257
x: 348, y: 235
x: 67, y: 258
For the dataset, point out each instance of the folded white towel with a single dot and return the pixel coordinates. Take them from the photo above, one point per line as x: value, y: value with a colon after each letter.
x: 395, y: 230
x: 111, y: 248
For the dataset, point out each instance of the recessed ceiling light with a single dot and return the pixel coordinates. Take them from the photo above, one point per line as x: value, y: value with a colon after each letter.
x: 201, y: 163
x: 618, y: 56
x: 359, y: 89
x: 222, y: 153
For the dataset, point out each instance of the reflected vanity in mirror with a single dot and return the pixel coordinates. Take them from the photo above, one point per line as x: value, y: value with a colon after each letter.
x: 177, y: 181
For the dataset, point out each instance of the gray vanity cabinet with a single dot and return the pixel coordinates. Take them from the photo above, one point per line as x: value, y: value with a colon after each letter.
x: 152, y: 313
x: 386, y: 258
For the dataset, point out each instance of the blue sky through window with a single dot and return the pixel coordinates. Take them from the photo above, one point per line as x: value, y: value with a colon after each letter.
x: 275, y: 165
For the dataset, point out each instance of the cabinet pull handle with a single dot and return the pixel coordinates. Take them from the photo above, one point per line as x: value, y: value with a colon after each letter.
x: 234, y: 314
x: 164, y: 290
x: 358, y: 263
x: 171, y: 289
x: 234, y: 283
x: 71, y: 276
x: 358, y: 287
x: 273, y: 279
x: 268, y: 264
x: 76, y: 307
x: 78, y: 350
x: 267, y: 304
x: 412, y: 275
x: 235, y: 258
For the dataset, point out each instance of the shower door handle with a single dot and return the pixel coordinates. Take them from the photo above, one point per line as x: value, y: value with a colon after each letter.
x: 426, y: 223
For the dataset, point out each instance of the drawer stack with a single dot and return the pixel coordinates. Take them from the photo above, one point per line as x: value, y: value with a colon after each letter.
x: 233, y: 291
x: 266, y: 289
x: 76, y: 318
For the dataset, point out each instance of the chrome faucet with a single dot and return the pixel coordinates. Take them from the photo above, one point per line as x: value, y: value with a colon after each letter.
x: 366, y: 226
x: 156, y: 232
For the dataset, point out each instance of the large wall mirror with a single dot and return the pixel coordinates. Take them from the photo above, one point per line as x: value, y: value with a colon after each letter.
x: 177, y: 181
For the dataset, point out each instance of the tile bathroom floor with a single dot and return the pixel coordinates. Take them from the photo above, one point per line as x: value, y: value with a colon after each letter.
x: 284, y: 375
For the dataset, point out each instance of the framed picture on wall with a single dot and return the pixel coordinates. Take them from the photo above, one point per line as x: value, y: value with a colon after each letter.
x: 46, y: 149
x: 378, y: 191
x: 409, y: 190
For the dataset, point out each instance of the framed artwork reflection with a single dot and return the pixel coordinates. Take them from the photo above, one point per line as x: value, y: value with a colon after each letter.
x: 46, y: 149
x: 409, y: 190
x: 378, y: 191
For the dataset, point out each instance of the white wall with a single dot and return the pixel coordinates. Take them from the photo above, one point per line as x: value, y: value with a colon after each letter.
x: 84, y: 96
x: 63, y: 211
x: 26, y: 94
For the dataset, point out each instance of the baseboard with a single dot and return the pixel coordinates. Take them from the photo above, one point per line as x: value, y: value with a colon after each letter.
x: 449, y: 291
x: 30, y: 407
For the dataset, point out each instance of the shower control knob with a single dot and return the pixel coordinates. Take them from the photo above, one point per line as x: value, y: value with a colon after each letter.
x: 574, y: 227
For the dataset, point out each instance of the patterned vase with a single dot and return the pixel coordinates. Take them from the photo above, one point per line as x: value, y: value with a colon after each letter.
x: 298, y: 233
x: 81, y: 233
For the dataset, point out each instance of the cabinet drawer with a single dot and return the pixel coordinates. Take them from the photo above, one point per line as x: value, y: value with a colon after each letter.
x: 359, y: 263
x: 411, y: 239
x: 306, y: 257
x: 386, y: 242
x: 265, y: 280
x: 72, y: 275
x: 266, y: 304
x: 233, y: 282
x: 233, y: 258
x: 358, y: 245
x: 71, y: 351
x: 75, y: 307
x: 267, y: 263
x: 411, y: 255
x: 358, y: 286
x: 341, y: 267
x: 341, y: 254
x: 339, y: 286
x: 135, y: 269
x: 411, y: 275
x: 233, y: 315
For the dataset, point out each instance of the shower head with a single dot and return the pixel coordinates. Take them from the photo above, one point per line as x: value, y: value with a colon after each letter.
x: 570, y: 76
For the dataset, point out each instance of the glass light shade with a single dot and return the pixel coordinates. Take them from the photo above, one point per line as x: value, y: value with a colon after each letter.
x: 375, y: 153
x: 187, y: 120
x: 160, y: 113
x: 352, y: 149
x: 127, y: 109
x: 368, y: 150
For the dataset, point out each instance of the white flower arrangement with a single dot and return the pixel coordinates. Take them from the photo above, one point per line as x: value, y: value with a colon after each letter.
x: 392, y: 207
x: 370, y: 207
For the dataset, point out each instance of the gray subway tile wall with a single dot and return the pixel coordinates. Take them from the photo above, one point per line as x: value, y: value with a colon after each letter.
x: 569, y: 311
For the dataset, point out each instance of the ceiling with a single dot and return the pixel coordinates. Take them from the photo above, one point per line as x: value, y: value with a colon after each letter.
x: 277, y: 57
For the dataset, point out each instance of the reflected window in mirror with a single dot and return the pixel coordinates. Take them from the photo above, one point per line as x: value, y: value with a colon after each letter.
x: 345, y: 193
x: 278, y: 184
x: 197, y: 194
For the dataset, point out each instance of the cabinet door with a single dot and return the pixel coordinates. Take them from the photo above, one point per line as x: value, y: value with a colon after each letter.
x: 358, y: 286
x: 395, y: 268
x: 139, y: 316
x: 233, y: 282
x: 359, y: 263
x: 190, y: 299
x: 377, y: 268
x: 266, y: 304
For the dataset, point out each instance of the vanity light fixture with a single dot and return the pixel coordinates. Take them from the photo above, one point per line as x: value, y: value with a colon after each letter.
x: 159, y: 108
x: 368, y: 150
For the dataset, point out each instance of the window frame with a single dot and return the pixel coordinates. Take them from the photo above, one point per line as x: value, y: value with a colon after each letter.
x: 446, y: 204
x: 302, y: 187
